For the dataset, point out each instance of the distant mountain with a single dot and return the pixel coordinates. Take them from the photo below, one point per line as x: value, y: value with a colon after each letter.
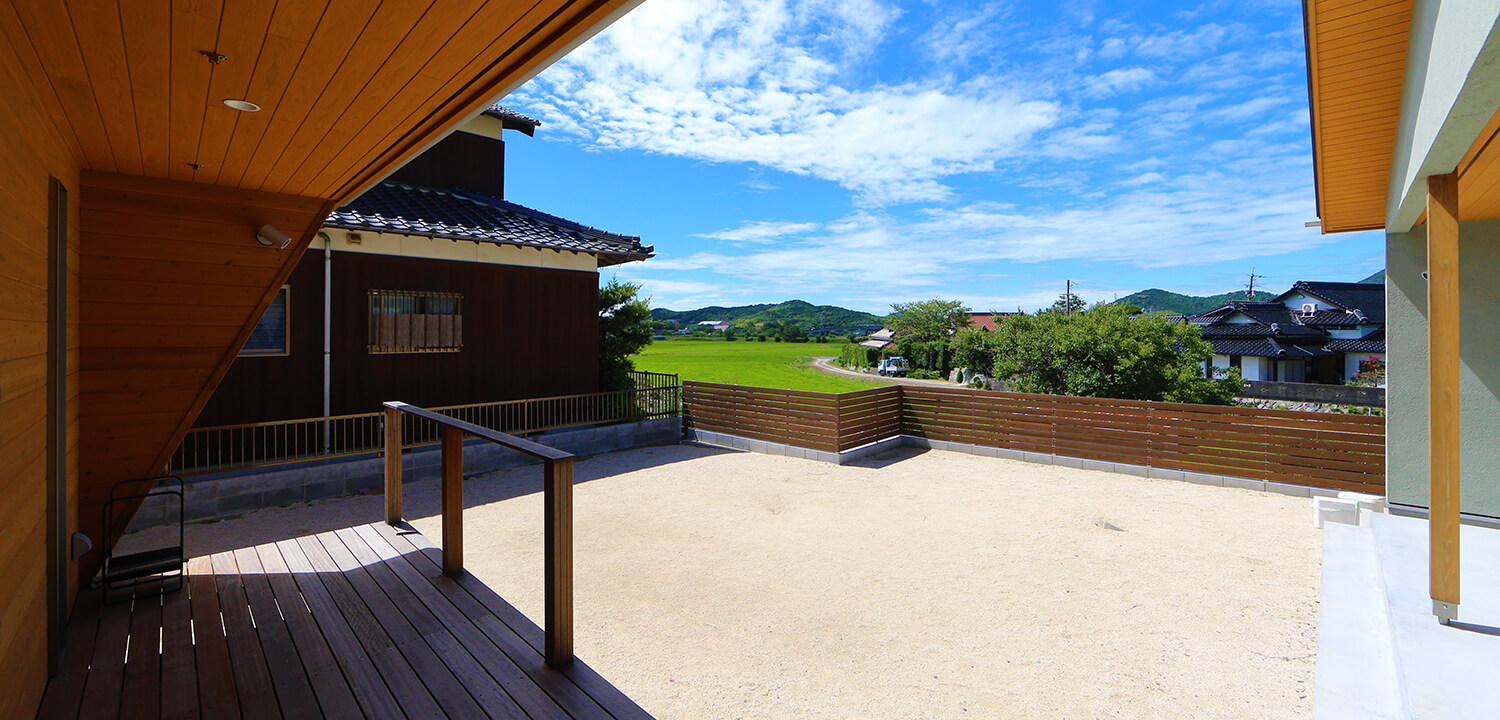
x: 1156, y: 300
x: 1376, y: 278
x: 803, y: 313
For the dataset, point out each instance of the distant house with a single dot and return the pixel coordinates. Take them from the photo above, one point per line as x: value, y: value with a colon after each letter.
x: 715, y: 325
x: 988, y: 320
x: 881, y: 339
x: 433, y: 289
x: 1317, y: 332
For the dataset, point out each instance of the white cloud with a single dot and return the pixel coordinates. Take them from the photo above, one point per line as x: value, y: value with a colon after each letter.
x: 752, y: 84
x: 761, y: 231
x: 1119, y: 80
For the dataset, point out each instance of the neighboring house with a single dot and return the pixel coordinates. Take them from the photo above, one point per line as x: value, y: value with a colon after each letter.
x: 434, y: 290
x: 1316, y: 332
x: 988, y: 320
x: 881, y: 339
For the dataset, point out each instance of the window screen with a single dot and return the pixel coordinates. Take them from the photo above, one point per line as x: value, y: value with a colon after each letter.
x: 404, y: 322
x: 270, y: 336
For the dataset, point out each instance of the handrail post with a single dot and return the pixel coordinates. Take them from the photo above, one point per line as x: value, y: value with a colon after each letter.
x: 392, y: 466
x: 558, y: 502
x: 453, y: 501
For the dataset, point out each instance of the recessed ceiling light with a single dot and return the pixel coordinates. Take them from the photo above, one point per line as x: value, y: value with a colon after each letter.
x: 243, y: 105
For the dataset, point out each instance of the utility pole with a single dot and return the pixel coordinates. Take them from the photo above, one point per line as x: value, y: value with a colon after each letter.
x: 1250, y: 292
x: 1068, y: 298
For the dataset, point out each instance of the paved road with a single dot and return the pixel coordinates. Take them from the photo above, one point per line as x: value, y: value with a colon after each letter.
x: 826, y: 365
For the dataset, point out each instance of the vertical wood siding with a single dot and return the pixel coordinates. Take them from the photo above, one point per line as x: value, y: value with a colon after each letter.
x: 527, y: 333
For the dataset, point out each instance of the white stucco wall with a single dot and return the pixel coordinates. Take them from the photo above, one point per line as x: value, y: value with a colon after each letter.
x: 1406, y: 371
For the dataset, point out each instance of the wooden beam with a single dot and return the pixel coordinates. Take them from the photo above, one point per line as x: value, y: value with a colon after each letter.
x: 1443, y: 397
x: 393, y: 466
x: 453, y: 501
x: 558, y: 506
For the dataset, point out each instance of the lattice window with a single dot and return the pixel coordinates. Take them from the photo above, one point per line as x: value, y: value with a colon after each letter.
x: 410, y: 322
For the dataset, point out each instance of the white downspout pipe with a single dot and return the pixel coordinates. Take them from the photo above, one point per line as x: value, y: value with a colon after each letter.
x: 327, y: 334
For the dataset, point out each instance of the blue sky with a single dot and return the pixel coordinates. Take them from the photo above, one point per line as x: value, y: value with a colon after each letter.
x: 862, y: 152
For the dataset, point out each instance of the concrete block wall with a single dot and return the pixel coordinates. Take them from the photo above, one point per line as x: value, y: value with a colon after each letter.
x: 212, y: 497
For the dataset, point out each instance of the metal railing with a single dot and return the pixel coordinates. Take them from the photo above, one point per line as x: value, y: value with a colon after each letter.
x: 644, y: 379
x: 252, y: 445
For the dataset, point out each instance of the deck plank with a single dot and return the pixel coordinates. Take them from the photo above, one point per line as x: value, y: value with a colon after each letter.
x: 434, y: 670
x: 251, y: 675
x: 65, y: 692
x: 179, y: 676
x: 549, y: 689
x: 217, y: 696
x: 101, y: 693
x: 335, y: 697
x: 508, y: 621
x: 294, y: 693
x: 141, y: 695
x: 368, y: 665
x: 411, y: 693
x: 500, y: 679
x: 357, y: 622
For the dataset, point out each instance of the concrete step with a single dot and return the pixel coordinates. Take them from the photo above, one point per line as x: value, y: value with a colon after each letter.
x: 1357, y: 674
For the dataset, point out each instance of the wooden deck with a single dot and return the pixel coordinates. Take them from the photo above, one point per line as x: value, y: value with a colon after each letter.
x: 359, y: 622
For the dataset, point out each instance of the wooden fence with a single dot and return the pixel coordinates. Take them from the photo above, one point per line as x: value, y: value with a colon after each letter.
x: 1330, y: 450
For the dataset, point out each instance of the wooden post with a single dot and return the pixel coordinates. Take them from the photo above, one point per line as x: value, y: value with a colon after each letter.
x: 558, y: 502
x: 453, y: 501
x: 1443, y: 398
x: 392, y: 466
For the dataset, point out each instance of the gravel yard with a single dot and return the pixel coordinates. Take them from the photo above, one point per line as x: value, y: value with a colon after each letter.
x: 715, y: 584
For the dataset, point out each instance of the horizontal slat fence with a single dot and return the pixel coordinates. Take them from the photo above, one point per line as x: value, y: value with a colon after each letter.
x: 1345, y: 452
x: 792, y: 417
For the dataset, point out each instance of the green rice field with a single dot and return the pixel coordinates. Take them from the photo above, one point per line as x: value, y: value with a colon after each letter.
x: 762, y: 364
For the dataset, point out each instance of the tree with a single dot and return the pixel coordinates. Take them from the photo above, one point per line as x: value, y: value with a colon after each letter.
x: 928, y: 320
x: 1104, y: 352
x: 624, y: 328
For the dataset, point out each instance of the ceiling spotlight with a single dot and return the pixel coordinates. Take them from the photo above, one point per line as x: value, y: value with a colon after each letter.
x: 271, y: 237
x: 243, y: 105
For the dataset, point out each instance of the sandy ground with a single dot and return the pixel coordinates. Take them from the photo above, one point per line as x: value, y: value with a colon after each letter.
x: 917, y: 585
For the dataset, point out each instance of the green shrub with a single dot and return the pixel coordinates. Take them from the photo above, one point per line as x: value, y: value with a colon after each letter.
x: 858, y: 356
x: 926, y: 375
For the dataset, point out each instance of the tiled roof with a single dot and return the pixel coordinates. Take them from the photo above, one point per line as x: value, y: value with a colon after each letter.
x: 1368, y: 298
x: 459, y: 215
x: 512, y: 119
x: 1253, y: 348
x: 1372, y: 342
x: 1264, y: 347
x: 1332, y: 318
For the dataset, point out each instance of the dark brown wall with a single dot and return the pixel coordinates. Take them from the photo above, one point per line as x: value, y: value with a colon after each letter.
x: 528, y: 332
x: 461, y: 160
x: 261, y: 388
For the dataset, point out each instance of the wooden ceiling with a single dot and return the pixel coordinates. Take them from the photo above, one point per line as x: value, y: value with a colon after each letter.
x: 175, y: 183
x: 348, y: 89
x: 1356, y: 57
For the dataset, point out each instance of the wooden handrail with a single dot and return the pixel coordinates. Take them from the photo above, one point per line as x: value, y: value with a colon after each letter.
x: 557, y: 501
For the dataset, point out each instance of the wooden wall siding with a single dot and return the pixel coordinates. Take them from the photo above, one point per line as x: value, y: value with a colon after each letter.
x: 1345, y: 452
x: 527, y: 333
x: 32, y: 150
x: 172, y: 282
x: 1357, y: 55
x: 347, y: 90
x: 1479, y: 176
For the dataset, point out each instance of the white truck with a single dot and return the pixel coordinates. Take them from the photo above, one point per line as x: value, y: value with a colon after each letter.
x: 893, y: 367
